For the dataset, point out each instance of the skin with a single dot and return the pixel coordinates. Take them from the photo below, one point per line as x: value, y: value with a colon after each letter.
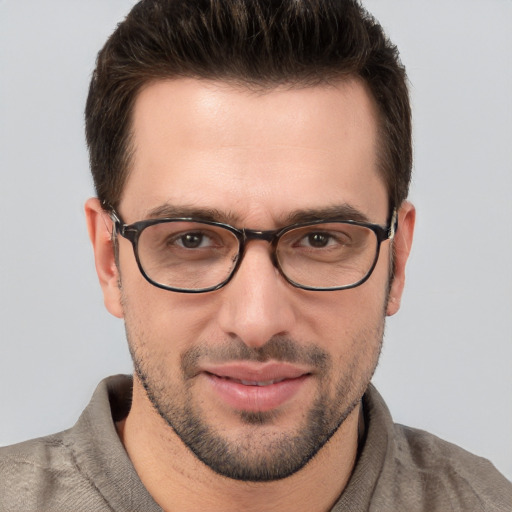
x: 255, y: 158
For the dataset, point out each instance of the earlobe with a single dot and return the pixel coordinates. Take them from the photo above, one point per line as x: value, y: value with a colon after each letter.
x: 99, y: 227
x: 401, y: 249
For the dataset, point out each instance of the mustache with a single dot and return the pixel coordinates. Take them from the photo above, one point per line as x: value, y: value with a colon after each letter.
x: 278, y: 348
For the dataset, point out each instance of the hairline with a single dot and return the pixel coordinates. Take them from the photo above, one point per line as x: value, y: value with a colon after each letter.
x: 259, y: 87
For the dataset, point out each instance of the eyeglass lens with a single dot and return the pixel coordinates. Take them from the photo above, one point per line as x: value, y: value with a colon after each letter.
x: 194, y: 256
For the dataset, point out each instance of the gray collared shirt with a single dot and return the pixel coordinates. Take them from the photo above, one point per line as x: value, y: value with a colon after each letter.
x: 87, y: 469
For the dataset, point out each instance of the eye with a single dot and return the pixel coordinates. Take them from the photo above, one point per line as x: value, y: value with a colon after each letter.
x: 323, y: 239
x: 318, y: 240
x: 193, y: 240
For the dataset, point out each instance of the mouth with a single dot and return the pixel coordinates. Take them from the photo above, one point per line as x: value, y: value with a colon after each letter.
x: 256, y: 388
x: 252, y: 382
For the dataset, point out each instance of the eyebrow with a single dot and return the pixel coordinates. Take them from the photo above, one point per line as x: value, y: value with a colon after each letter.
x: 339, y: 212
x: 187, y: 211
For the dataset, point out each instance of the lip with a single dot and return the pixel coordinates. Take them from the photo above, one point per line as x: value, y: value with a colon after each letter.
x: 256, y: 387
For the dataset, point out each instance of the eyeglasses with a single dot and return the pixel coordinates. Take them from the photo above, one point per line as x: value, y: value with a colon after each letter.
x: 195, y: 256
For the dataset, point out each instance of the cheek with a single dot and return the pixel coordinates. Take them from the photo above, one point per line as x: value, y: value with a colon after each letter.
x: 349, y: 324
x: 165, y: 322
x: 342, y: 314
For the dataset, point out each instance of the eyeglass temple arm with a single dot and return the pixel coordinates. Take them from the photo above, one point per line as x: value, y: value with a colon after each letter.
x: 393, y: 224
x: 116, y: 220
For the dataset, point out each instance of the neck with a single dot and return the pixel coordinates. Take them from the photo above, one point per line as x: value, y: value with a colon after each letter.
x: 177, y: 480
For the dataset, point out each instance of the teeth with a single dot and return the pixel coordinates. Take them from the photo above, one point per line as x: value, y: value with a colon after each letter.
x: 257, y: 383
x: 260, y: 383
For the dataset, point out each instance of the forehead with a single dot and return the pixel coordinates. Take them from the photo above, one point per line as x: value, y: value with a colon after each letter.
x: 255, y: 154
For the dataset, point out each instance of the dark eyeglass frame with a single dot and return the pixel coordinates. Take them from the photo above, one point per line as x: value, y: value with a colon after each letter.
x: 133, y: 231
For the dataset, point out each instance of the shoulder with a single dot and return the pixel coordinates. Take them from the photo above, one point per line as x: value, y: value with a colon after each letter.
x: 33, y: 460
x: 434, y: 474
x: 403, y: 468
x: 42, y: 474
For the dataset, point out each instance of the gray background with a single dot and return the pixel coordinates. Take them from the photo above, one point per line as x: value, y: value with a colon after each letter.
x: 446, y: 365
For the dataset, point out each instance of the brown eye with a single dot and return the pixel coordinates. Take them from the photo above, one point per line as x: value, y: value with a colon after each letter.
x: 191, y: 240
x: 318, y: 239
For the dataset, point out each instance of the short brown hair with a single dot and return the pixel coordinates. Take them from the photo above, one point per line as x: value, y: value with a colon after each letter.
x: 256, y: 43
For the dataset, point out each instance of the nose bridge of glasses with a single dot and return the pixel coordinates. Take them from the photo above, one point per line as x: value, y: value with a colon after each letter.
x: 268, y: 236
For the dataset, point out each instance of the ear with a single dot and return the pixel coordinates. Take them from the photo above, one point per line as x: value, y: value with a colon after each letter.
x: 100, y: 228
x: 401, y: 248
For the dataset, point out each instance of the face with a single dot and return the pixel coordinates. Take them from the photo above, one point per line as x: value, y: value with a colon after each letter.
x: 255, y: 377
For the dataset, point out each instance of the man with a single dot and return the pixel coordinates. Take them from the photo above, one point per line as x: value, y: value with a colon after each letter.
x: 252, y: 162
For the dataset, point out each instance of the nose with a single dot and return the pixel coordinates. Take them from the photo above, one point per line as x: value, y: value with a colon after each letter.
x: 257, y: 303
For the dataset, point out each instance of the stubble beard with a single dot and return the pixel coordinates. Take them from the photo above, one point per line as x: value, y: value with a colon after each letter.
x: 260, y: 452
